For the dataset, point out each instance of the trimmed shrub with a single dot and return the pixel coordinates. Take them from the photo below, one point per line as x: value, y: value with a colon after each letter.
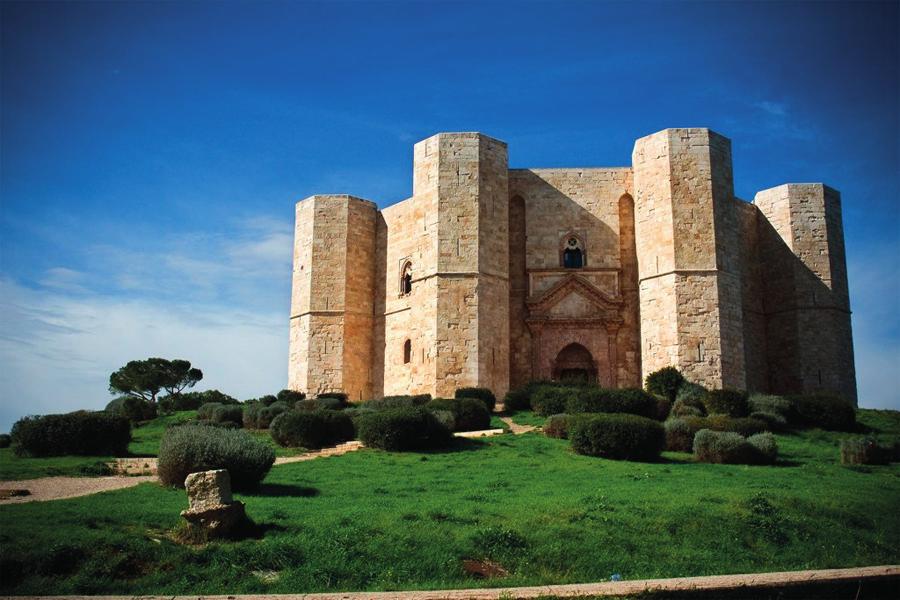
x: 691, y: 394
x: 193, y: 400
x: 744, y: 426
x: 726, y: 402
x: 81, y: 433
x: 679, y: 435
x: 193, y: 447
x: 446, y: 418
x: 597, y: 400
x: 766, y: 403
x: 337, y: 395
x: 558, y: 426
x: 311, y: 429
x: 866, y: 451
x: 483, y: 394
x: 403, y: 401
x: 469, y: 414
x: 827, y: 412
x: 257, y: 416
x: 228, y: 415
x: 774, y: 422
x: 134, y: 409
x: 517, y: 399
x: 619, y: 436
x: 663, y: 408
x: 664, y: 382
x: 205, y: 412
x: 5, y: 440
x: 681, y: 408
x: 399, y: 429
x: 549, y: 400
x: 290, y: 397
x: 731, y: 448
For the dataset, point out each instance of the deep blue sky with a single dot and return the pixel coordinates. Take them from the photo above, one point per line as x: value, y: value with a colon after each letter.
x: 152, y: 152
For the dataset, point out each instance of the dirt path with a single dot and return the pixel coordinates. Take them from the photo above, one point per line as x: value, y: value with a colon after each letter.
x: 516, y: 428
x: 57, y: 488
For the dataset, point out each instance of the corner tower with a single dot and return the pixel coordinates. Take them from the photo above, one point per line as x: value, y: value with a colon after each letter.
x: 806, y: 301
x: 461, y: 180
x: 332, y: 296
x: 686, y: 225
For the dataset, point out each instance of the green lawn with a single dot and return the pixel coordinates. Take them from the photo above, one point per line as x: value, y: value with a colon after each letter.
x: 145, y: 438
x: 372, y: 520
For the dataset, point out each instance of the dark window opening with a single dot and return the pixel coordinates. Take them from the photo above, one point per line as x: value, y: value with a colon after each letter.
x: 407, y: 352
x: 406, y: 279
x: 573, y: 258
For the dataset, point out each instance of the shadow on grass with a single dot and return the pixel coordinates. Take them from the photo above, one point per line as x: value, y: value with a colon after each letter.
x: 270, y: 490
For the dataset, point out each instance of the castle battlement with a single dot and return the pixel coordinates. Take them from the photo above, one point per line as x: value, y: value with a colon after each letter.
x: 491, y: 277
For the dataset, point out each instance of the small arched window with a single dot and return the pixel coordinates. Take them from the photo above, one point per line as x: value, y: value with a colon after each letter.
x: 572, y: 253
x: 406, y: 279
x: 407, y: 352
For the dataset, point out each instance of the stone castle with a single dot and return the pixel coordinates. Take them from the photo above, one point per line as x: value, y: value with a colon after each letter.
x: 491, y: 277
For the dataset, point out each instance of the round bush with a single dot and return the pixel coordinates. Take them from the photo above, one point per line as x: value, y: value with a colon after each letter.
x: 193, y: 447
x: 549, y: 400
x: 517, y: 399
x: 337, y: 395
x: 259, y: 416
x: 400, y: 429
x: 404, y: 401
x: 664, y: 382
x: 5, y: 440
x: 80, y: 433
x: 679, y: 435
x: 682, y: 409
x: 726, y: 402
x: 134, y: 409
x: 446, y: 418
x: 469, y: 414
x: 228, y: 414
x: 618, y: 436
x: 597, y: 400
x: 311, y: 429
x: 774, y: 422
x: 744, y: 426
x: 731, y: 448
x: 483, y: 394
x: 193, y: 400
x: 767, y: 403
x: 691, y: 393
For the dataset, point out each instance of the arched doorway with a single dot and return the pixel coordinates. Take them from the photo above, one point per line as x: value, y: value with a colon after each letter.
x: 575, y: 363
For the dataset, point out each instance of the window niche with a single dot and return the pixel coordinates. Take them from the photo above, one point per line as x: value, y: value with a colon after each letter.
x: 406, y: 278
x: 572, y: 253
x: 407, y: 352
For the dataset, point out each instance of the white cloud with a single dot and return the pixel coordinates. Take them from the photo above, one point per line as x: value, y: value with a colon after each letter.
x: 58, y: 350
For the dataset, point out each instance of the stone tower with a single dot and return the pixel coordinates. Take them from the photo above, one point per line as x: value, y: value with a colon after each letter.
x: 686, y: 239
x: 332, y: 296
x: 806, y: 299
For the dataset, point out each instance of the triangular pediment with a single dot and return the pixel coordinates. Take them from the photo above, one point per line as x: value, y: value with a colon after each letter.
x: 573, y: 297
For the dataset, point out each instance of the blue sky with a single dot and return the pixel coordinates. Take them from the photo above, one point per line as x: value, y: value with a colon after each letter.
x: 152, y: 152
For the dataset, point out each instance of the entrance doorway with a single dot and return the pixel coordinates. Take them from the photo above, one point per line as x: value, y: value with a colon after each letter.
x: 575, y: 363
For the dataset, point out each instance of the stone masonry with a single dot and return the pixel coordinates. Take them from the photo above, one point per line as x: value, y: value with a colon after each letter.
x: 467, y: 282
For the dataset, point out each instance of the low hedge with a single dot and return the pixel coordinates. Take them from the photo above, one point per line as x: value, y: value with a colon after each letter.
x: 732, y: 448
x: 549, y: 400
x: 726, y: 402
x: 823, y: 411
x: 683, y: 408
x: 80, y: 433
x: 194, y: 447
x: 228, y: 414
x: 193, y: 400
x: 618, y: 436
x: 469, y: 414
x: 205, y: 412
x: 290, y: 397
x: 867, y: 451
x: 311, y: 429
x: 558, y: 426
x: 399, y: 429
x: 596, y: 400
x: 401, y: 401
x: 768, y: 403
x: 680, y: 431
x: 483, y: 394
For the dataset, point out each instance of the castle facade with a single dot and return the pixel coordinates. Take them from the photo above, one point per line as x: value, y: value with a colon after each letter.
x: 491, y: 277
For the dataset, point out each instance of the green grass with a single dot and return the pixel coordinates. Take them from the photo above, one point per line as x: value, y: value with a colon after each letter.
x: 373, y: 520
x: 14, y: 468
x: 527, y: 417
x: 145, y: 438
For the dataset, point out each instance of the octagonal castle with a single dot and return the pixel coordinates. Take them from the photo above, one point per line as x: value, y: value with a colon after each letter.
x: 491, y: 277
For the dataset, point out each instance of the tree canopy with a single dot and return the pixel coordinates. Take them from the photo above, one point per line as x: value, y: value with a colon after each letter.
x: 145, y: 378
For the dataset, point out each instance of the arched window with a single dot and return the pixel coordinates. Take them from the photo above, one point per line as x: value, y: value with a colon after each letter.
x: 406, y: 279
x: 407, y: 352
x: 572, y: 254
